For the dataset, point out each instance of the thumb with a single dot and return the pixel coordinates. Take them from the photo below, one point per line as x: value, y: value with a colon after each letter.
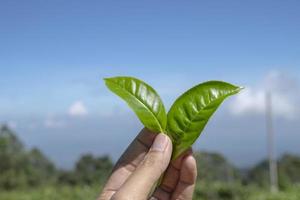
x: 140, y: 183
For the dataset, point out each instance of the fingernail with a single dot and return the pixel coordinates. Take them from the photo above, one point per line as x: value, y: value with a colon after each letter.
x: 160, y: 143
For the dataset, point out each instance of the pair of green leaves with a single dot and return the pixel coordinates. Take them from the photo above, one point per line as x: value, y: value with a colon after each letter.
x: 186, y: 118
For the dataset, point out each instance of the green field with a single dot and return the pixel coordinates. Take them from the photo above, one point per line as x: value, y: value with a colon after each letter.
x: 52, y: 193
x: 212, y: 192
x: 30, y: 175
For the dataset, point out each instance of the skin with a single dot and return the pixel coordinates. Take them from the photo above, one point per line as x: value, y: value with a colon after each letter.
x: 143, y: 163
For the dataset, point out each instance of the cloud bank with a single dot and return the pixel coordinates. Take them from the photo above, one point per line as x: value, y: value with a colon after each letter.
x: 284, y: 92
x: 78, y: 109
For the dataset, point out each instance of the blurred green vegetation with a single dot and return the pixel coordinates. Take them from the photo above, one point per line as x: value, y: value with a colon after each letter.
x: 216, y: 191
x: 29, y: 175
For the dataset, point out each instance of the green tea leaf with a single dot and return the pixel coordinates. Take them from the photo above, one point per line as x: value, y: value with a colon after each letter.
x: 192, y: 110
x: 143, y: 100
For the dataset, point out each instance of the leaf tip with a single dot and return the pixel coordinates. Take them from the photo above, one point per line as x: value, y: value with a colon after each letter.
x: 107, y: 80
x: 240, y: 88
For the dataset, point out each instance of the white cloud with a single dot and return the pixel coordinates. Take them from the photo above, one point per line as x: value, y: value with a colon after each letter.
x: 282, y: 88
x: 280, y: 82
x: 53, y: 123
x: 78, y: 109
x: 248, y: 100
x: 253, y: 101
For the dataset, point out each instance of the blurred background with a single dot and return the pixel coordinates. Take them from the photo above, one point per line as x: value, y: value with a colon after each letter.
x: 62, y: 130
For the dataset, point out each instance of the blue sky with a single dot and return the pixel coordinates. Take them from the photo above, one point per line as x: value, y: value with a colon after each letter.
x: 54, y: 54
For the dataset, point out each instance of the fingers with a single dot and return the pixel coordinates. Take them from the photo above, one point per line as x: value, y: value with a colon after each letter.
x: 186, y: 184
x: 139, y: 184
x: 127, y: 163
x: 171, y: 177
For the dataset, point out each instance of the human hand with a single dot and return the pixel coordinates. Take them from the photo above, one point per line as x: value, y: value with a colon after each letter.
x: 141, y: 166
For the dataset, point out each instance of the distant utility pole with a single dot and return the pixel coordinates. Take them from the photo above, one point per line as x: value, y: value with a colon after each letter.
x: 271, y: 145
